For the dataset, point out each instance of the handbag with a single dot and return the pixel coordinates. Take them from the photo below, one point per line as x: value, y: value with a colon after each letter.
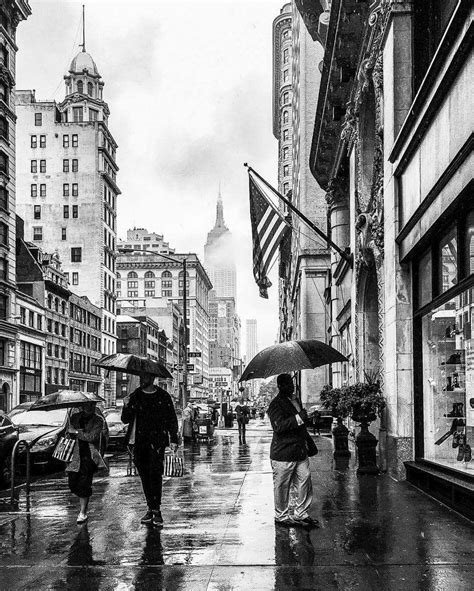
x: 64, y: 449
x: 174, y: 465
x: 311, y: 446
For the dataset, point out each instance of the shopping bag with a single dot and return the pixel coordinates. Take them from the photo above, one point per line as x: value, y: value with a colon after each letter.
x: 174, y: 465
x: 64, y: 448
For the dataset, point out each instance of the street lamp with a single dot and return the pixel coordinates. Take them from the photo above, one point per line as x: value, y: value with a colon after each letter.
x: 185, y: 311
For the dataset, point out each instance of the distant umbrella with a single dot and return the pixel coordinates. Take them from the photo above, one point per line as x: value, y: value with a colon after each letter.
x: 65, y: 399
x: 290, y: 356
x: 133, y: 364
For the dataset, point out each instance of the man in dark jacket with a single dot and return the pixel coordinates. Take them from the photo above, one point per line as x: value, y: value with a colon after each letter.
x: 290, y: 448
x: 153, y: 426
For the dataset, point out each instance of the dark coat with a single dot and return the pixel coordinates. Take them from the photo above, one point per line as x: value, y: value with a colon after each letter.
x: 290, y: 440
x: 156, y: 420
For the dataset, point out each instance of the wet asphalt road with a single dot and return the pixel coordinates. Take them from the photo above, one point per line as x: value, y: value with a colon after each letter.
x: 219, y: 532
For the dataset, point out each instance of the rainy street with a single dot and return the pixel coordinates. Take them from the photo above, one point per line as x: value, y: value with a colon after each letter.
x: 219, y: 531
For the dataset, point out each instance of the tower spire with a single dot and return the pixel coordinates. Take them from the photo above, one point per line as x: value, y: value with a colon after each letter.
x: 83, y: 28
x: 220, y: 210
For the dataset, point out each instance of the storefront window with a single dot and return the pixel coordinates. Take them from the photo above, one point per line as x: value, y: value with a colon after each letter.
x: 448, y: 272
x: 448, y: 379
x: 469, y: 241
x: 425, y: 292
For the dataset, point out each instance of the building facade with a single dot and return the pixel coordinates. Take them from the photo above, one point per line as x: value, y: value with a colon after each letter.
x: 11, y: 14
x: 145, y: 280
x: 66, y: 176
x: 304, y: 258
x: 392, y: 147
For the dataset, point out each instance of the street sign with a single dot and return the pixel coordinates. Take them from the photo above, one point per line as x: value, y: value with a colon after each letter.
x: 178, y: 366
x: 194, y: 354
x: 190, y: 366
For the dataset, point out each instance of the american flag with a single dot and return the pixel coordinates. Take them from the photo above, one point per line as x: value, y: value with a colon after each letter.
x: 268, y: 229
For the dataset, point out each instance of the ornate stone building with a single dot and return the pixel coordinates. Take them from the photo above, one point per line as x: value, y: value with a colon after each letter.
x: 392, y: 148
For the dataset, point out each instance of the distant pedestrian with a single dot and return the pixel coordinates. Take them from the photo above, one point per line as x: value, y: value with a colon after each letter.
x: 153, y: 426
x: 316, y: 422
x: 189, y: 421
x: 86, y: 426
x: 242, y: 414
x: 289, y: 453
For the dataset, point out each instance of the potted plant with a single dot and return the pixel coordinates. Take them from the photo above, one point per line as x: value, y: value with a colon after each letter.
x: 363, y: 402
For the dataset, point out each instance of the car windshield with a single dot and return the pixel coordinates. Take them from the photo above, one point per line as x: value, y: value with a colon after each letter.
x: 53, y: 418
x: 113, y: 417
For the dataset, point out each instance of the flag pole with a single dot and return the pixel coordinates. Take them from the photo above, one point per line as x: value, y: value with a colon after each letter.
x: 345, y: 255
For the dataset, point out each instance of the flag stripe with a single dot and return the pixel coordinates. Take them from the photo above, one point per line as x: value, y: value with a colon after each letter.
x: 273, y: 246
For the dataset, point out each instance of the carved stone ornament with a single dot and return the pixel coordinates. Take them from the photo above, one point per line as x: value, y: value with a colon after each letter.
x: 337, y: 193
x: 348, y: 129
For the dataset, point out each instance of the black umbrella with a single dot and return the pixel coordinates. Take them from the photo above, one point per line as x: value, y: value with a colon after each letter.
x: 133, y: 364
x: 65, y: 399
x: 290, y: 356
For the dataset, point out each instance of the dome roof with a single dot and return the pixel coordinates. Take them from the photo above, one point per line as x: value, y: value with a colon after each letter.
x: 83, y: 61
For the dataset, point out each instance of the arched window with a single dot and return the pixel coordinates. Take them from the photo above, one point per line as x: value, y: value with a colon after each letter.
x: 80, y: 86
x: 132, y: 275
x: 3, y: 127
x: 286, y: 117
x: 149, y: 274
x: 166, y: 274
x: 90, y: 89
x: 119, y: 276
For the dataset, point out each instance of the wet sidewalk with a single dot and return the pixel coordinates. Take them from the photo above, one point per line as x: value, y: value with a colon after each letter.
x: 219, y: 533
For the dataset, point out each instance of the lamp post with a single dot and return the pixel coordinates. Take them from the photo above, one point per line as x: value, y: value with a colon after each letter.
x: 185, y: 311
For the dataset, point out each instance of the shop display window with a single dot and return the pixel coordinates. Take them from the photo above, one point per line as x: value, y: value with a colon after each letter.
x: 448, y: 382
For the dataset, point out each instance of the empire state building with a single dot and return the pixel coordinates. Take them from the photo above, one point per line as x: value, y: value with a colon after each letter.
x: 219, y: 256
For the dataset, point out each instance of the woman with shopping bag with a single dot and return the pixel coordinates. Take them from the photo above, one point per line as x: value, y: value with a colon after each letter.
x: 86, y: 428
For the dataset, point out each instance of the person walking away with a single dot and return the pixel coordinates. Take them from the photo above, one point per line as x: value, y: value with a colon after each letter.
x: 189, y: 414
x: 242, y: 415
x: 86, y: 427
x: 290, y: 450
x: 316, y: 421
x: 153, y: 425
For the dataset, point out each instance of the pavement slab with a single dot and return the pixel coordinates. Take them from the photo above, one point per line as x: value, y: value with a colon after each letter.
x: 219, y: 532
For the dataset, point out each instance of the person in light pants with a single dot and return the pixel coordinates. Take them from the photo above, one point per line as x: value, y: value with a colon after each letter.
x: 289, y: 454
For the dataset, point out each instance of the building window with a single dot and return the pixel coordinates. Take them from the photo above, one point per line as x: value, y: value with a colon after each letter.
x: 75, y: 165
x: 42, y: 165
x: 286, y: 135
x: 34, y: 166
x: 34, y: 141
x: 286, y: 76
x: 3, y: 269
x: 286, y: 56
x: 93, y: 114
x: 132, y: 294
x: 3, y: 234
x: 4, y: 199
x: 65, y: 141
x: 286, y: 153
x: 42, y: 141
x: 149, y: 284
x: 166, y: 283
x: 77, y: 115
x: 63, y: 233
x: 3, y: 307
x: 75, y: 278
x: 149, y: 293
x: 90, y: 89
x: 42, y: 190
x: 166, y: 293
x: 132, y: 284
x: 34, y: 190
x: 4, y: 56
x: 75, y: 140
x: 76, y: 254
x: 80, y: 87
x: 75, y: 211
x: 65, y: 190
x: 286, y: 188
x: 65, y: 211
x: 37, y: 212
x: 75, y: 190
x: 65, y: 165
x: 38, y: 119
x: 3, y: 163
x: 3, y: 127
x: 4, y: 93
x: 132, y: 275
x: 286, y: 117
x: 37, y: 233
x: 286, y: 170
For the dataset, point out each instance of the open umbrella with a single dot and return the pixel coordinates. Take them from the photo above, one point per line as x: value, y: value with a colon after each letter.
x: 290, y: 356
x: 133, y: 364
x: 65, y: 399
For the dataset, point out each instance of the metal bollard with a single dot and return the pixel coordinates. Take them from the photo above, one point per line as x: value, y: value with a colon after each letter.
x: 28, y: 473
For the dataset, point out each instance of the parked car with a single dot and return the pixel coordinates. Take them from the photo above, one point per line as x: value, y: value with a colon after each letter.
x: 43, y: 428
x: 117, y: 429
x: 8, y: 438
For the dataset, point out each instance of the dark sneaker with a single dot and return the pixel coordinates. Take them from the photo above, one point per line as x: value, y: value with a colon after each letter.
x: 467, y: 453
x: 285, y: 522
x: 148, y: 517
x: 307, y: 522
x: 157, y: 519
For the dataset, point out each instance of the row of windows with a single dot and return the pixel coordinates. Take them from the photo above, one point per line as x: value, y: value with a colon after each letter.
x: 67, y: 140
x: 55, y: 351
x: 38, y: 233
x: 56, y: 327
x: 75, y: 277
x: 56, y: 376
x: 30, y: 355
x: 84, y: 316
x: 72, y: 189
x: 151, y: 275
x: 27, y: 318
x: 82, y: 364
x: 78, y: 115
x: 74, y: 210
x: 150, y: 284
x: 150, y: 293
x: 84, y: 339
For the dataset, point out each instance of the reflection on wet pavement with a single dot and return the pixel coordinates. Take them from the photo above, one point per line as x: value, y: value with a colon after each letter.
x: 219, y: 531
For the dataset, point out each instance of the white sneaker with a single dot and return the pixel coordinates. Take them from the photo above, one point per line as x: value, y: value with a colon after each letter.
x: 82, y: 517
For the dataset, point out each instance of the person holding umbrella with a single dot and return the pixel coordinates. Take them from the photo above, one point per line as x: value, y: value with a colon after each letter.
x: 86, y: 427
x: 153, y: 425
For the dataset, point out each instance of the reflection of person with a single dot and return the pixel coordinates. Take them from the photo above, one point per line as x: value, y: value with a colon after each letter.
x: 153, y: 426
x: 87, y: 426
x: 289, y: 451
x: 242, y: 415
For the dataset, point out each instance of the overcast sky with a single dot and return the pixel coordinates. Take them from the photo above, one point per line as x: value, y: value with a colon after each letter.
x: 189, y: 86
